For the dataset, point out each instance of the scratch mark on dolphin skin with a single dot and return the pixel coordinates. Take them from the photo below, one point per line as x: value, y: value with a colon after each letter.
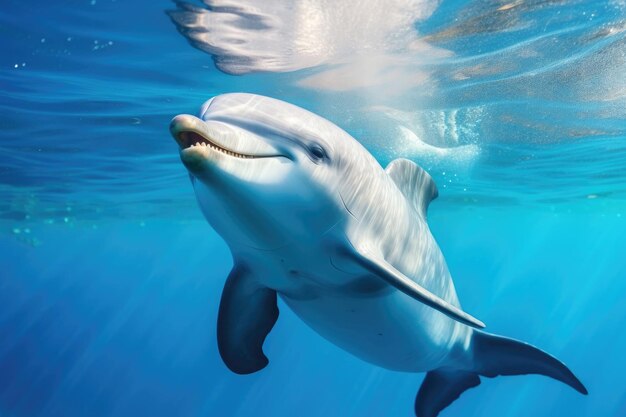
x: 346, y: 207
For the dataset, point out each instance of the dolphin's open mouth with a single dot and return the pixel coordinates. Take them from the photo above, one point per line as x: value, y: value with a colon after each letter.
x: 190, y: 139
x: 192, y: 135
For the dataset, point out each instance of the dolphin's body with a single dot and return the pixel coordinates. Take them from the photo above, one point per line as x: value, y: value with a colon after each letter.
x: 311, y: 216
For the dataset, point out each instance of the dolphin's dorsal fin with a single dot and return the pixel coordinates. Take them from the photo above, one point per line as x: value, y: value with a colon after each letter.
x: 416, y: 184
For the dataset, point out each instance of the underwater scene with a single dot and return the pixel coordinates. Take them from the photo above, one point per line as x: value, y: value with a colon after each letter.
x: 157, y: 247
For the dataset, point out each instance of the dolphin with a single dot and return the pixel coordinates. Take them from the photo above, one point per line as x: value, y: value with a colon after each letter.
x: 311, y: 217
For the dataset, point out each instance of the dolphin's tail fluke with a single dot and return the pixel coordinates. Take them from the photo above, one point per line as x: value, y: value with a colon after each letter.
x: 492, y: 356
x: 497, y: 355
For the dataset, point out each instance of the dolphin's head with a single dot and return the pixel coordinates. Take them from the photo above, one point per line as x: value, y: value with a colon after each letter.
x: 265, y: 172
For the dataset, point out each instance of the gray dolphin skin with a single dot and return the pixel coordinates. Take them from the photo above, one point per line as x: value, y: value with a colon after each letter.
x: 311, y: 217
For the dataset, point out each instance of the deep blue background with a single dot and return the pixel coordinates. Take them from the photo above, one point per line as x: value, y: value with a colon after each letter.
x: 121, y: 321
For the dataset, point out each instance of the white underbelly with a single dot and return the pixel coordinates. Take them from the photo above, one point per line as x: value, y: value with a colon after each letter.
x: 389, y: 329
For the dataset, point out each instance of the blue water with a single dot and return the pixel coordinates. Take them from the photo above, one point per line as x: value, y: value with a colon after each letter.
x: 110, y: 279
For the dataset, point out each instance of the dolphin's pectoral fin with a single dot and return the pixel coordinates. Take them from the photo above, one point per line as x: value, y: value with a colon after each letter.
x: 247, y: 313
x: 440, y: 388
x: 381, y: 268
x: 417, y: 186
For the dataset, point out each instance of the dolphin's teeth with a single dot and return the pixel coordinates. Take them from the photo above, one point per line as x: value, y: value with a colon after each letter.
x: 207, y: 143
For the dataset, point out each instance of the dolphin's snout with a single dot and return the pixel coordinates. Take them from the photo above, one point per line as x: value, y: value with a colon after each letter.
x: 184, y: 128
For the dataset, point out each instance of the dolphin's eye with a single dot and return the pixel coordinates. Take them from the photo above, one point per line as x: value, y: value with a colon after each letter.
x: 317, y: 152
